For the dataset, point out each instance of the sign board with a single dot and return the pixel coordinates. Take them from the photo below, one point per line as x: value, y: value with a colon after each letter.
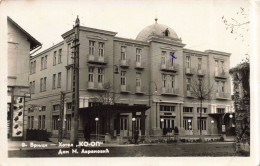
x: 223, y: 128
x: 17, y: 121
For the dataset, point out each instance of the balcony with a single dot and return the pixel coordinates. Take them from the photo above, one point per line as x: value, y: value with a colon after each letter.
x: 169, y: 66
x: 170, y: 91
x: 139, y: 65
x: 189, y: 71
x: 221, y: 74
x: 140, y: 90
x: 223, y: 96
x: 94, y: 86
x: 124, y: 63
x: 201, y: 72
x: 101, y: 60
x: 125, y: 89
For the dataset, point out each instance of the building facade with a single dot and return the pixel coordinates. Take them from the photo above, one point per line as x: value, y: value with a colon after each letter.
x: 20, y: 43
x: 154, y: 70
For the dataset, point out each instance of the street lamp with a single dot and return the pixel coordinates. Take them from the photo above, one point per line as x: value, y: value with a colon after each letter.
x: 189, y: 122
x: 96, y: 119
x: 212, y: 122
x: 162, y: 120
x: 133, y: 124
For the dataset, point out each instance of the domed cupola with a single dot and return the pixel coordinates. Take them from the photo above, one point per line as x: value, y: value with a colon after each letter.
x: 158, y: 30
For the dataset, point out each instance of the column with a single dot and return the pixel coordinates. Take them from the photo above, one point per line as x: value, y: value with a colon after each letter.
x: 195, y: 121
x: 143, y: 123
x: 117, y: 124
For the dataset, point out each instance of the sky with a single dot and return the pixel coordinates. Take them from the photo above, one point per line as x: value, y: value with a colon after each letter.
x: 199, y: 23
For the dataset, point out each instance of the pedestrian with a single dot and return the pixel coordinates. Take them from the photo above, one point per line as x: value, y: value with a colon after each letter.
x: 136, y: 135
x: 87, y: 133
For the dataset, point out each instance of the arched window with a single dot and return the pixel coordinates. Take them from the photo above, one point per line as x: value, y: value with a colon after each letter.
x: 166, y: 32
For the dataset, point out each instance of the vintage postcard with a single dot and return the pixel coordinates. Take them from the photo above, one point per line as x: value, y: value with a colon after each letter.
x: 132, y: 82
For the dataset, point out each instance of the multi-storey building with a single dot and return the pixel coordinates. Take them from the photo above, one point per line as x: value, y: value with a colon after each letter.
x: 153, y: 70
x: 20, y: 43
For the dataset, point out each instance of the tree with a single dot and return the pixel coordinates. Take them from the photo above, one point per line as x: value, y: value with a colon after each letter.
x: 241, y: 97
x: 201, y: 90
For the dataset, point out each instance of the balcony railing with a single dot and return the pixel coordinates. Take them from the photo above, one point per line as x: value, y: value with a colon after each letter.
x: 201, y: 72
x: 170, y: 91
x: 124, y: 63
x: 222, y: 95
x: 139, y: 90
x: 95, y: 86
x: 139, y: 65
x: 97, y: 59
x: 221, y: 74
x: 125, y: 89
x: 189, y: 70
x: 169, y: 66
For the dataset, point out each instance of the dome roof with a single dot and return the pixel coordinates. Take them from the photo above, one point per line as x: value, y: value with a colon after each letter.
x: 156, y: 30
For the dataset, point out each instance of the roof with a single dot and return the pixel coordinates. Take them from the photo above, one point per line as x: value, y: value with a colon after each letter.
x: 33, y: 42
x: 156, y: 30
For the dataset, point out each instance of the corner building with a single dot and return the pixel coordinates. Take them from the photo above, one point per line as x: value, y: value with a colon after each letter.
x: 154, y: 70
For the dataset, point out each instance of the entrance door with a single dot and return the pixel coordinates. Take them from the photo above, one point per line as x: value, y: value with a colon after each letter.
x: 123, y: 126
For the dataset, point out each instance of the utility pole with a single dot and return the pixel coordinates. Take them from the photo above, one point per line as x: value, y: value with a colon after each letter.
x: 61, y: 116
x: 75, y: 84
x: 201, y: 98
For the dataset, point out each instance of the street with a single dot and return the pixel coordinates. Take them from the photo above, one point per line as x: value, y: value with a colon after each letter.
x: 152, y: 150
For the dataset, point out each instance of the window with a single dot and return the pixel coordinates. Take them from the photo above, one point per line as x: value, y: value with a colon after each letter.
x: 39, y: 122
x: 138, y: 55
x: 187, y: 109
x: 33, y: 87
x: 54, y: 81
x: 186, y: 124
x: 166, y: 32
x: 164, y: 80
x: 188, y: 81
x: 100, y: 75
x: 101, y: 49
x: 123, y: 124
x: 43, y: 108
x: 60, y: 55
x: 41, y: 85
x: 44, y: 83
x: 29, y: 122
x: 59, y: 80
x: 69, y: 106
x: 31, y: 67
x: 216, y: 66
x: 91, y: 74
x: 123, y: 53
x: 222, y: 86
x: 167, y: 108
x: 199, y: 63
x: 138, y: 79
x: 202, y: 123
x: 222, y: 66
x: 188, y: 61
x: 42, y: 63
x: 163, y: 57
x: 172, y: 81
x: 55, y: 122
x: 217, y: 86
x: 32, y: 121
x: 123, y: 77
x: 45, y: 63
x: 56, y: 107
x: 220, y: 110
x: 91, y: 47
x: 54, y: 58
x: 204, y: 110
x: 30, y: 87
x: 43, y: 121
